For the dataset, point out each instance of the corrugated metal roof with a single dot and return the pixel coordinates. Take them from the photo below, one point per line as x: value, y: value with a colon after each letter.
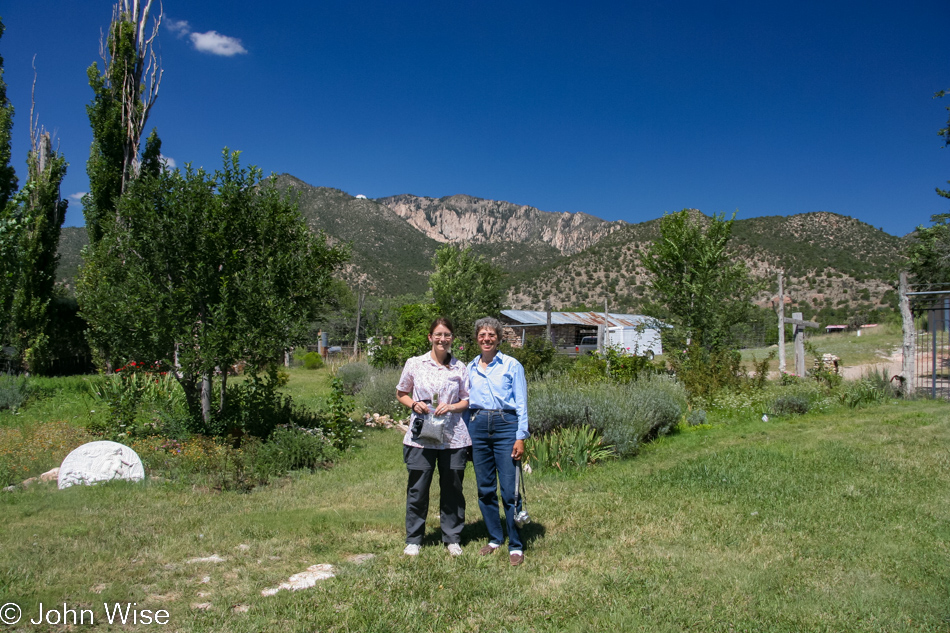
x: 539, y: 317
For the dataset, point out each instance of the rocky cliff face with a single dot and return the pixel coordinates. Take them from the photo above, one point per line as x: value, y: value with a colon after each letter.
x: 464, y: 219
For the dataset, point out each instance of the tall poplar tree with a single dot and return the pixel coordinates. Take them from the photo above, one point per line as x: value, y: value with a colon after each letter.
x: 30, y: 223
x: 8, y: 179
x: 124, y: 92
x: 38, y: 212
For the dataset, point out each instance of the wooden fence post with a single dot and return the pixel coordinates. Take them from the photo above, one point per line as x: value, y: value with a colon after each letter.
x: 909, y: 346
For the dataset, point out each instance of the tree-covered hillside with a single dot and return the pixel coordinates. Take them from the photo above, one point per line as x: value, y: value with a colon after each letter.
x: 836, y: 267
x: 389, y: 256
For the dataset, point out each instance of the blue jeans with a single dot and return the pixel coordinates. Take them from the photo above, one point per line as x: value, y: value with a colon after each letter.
x: 493, y: 437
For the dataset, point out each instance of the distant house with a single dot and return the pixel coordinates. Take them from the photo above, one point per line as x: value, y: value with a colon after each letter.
x: 567, y: 328
x: 838, y: 329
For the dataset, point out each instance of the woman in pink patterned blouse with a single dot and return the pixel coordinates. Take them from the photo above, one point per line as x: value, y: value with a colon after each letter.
x: 436, y: 372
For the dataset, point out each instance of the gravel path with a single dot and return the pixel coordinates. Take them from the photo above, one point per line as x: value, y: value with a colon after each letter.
x: 892, y: 363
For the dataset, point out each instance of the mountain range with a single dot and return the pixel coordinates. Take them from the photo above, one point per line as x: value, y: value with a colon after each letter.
x: 834, y: 265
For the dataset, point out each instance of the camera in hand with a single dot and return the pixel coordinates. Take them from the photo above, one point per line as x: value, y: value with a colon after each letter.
x: 416, y: 420
x: 522, y: 518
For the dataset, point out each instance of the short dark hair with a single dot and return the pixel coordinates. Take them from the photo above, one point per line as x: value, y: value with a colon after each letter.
x: 441, y: 321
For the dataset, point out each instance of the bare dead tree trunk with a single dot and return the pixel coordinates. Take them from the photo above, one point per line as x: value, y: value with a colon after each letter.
x: 359, y: 313
x: 137, y: 84
x: 909, y: 346
x: 547, y: 310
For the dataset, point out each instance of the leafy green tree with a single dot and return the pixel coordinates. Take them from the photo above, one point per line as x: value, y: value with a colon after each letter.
x: 123, y: 95
x: 409, y: 332
x: 338, y: 318
x: 465, y: 287
x: 929, y: 251
x: 702, y: 292
x: 200, y: 271
x: 38, y: 214
x: 30, y: 222
x: 8, y: 179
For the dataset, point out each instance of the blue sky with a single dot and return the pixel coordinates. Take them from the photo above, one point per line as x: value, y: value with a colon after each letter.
x: 623, y: 110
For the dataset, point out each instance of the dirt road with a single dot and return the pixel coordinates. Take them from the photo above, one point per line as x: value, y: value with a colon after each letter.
x: 892, y: 364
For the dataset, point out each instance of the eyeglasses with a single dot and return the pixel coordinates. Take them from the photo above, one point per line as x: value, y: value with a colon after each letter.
x: 441, y: 337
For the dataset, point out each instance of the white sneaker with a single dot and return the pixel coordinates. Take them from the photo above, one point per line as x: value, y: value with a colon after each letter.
x: 454, y: 549
x: 411, y: 550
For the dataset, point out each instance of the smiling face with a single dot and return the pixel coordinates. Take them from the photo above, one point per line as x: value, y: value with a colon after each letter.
x: 441, y: 339
x: 487, y: 340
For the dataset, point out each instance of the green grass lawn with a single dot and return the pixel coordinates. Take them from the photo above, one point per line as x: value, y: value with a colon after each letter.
x: 837, y: 522
x: 874, y: 345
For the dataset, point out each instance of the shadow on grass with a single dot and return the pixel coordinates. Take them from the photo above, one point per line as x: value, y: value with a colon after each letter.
x: 474, y: 533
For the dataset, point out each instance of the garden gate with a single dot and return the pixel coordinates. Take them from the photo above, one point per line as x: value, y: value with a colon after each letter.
x: 930, y: 307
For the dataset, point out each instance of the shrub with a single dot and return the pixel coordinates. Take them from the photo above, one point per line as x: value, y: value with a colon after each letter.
x: 354, y: 376
x: 567, y: 448
x: 696, y: 417
x: 611, y: 364
x: 312, y: 360
x: 201, y: 460
x: 256, y: 407
x: 139, y: 402
x: 292, y: 448
x: 335, y: 419
x: 378, y: 394
x: 706, y: 373
x: 625, y: 414
x: 538, y: 356
x: 790, y: 405
x: 14, y: 391
x: 864, y: 392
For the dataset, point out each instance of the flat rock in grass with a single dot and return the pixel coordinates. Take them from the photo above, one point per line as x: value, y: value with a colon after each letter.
x: 359, y: 559
x: 214, y: 558
x: 100, y: 461
x: 303, y: 580
x: 49, y: 475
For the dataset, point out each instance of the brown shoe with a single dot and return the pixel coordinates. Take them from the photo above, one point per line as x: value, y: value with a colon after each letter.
x: 516, y: 559
x: 487, y: 550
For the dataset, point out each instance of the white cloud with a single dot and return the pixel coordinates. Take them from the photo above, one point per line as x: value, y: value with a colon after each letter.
x: 180, y: 28
x: 211, y: 42
x: 217, y: 44
x: 169, y: 162
x: 77, y: 196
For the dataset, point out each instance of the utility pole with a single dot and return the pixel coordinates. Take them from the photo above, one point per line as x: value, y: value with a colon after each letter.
x: 781, y: 324
x: 547, y: 308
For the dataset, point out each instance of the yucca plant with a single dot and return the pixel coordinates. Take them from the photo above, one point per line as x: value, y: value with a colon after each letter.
x: 567, y: 448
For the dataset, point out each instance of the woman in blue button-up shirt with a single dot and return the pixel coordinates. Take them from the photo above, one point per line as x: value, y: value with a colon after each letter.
x: 498, y: 399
